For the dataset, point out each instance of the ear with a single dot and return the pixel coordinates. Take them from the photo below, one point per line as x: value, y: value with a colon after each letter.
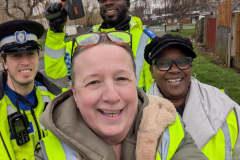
x: 151, y: 70
x: 4, y: 64
x: 74, y: 92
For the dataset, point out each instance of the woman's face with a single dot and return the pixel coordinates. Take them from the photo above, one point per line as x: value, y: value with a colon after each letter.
x: 173, y: 83
x: 105, y: 90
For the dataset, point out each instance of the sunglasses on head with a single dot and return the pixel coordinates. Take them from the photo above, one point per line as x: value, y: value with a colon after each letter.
x: 92, y: 39
x: 165, y: 64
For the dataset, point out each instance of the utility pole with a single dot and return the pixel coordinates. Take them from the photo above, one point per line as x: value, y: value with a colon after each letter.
x: 165, y: 18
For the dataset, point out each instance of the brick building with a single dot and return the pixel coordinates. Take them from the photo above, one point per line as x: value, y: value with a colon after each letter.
x: 187, y: 19
x: 171, y: 19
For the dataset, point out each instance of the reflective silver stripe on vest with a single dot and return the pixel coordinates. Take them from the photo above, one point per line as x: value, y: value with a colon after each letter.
x: 42, y: 88
x: 70, y: 154
x: 228, y: 146
x: 44, y: 98
x: 139, y: 58
x: 55, y: 54
x: 10, y: 109
x: 163, y: 149
x: 44, y: 153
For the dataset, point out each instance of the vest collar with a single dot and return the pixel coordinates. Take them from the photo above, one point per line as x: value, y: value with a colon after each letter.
x: 123, y: 26
x: 54, y: 89
x: 134, y: 21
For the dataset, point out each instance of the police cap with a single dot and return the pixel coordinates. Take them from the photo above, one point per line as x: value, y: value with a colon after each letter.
x: 18, y: 36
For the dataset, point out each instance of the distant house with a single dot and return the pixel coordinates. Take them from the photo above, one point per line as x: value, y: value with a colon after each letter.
x: 171, y: 18
x: 187, y: 18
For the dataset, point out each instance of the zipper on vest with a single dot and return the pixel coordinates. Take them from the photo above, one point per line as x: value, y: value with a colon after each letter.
x: 5, y: 146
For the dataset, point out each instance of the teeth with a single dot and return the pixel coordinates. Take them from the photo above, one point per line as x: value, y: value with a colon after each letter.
x: 109, y: 11
x: 25, y: 71
x: 110, y: 113
x: 174, y: 80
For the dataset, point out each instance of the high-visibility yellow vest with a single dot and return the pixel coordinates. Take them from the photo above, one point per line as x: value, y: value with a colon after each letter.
x: 220, y: 146
x: 173, y: 138
x: 57, y: 56
x: 26, y: 150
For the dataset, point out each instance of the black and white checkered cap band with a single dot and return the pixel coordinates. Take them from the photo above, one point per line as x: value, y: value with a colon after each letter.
x: 11, y: 38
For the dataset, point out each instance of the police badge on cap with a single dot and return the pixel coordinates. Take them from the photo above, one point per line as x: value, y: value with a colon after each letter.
x: 20, y: 36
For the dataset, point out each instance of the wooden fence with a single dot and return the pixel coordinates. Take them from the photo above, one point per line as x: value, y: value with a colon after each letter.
x: 225, y: 14
x: 237, y: 19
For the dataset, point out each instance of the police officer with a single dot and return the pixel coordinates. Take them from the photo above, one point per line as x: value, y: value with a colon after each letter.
x: 24, y: 91
x: 57, y: 55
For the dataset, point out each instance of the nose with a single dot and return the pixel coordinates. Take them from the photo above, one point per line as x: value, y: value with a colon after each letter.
x: 111, y: 94
x: 24, y: 60
x: 174, y: 69
x: 109, y: 2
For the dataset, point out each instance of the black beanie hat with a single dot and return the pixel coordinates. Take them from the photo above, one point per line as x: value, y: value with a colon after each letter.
x: 158, y: 44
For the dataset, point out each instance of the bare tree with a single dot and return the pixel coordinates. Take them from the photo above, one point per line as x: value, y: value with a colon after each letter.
x: 213, y: 5
x: 141, y: 8
x: 157, y: 4
x: 235, y: 5
x: 180, y: 7
x: 91, y: 8
x: 24, y: 9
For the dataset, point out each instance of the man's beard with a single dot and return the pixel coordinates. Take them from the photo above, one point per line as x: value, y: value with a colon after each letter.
x: 19, y: 83
x: 121, y: 16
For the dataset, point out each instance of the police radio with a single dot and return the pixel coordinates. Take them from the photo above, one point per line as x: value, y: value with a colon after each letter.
x: 73, y: 8
x: 18, y: 123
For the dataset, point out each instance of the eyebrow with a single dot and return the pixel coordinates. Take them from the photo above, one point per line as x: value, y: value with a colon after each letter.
x: 97, y: 75
x: 122, y: 71
x: 90, y: 76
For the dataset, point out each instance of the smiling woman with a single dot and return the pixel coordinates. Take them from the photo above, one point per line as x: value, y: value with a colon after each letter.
x: 104, y: 115
x: 208, y: 112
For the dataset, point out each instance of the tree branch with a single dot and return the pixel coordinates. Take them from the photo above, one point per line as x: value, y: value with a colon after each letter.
x: 22, y: 10
x: 7, y: 11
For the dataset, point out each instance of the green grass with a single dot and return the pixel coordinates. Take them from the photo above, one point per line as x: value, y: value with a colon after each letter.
x: 186, y: 32
x: 208, y: 72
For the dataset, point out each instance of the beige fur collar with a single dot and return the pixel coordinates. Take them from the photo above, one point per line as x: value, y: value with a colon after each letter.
x: 157, y: 116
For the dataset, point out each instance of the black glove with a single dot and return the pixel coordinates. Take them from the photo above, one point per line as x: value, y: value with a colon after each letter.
x: 57, y: 24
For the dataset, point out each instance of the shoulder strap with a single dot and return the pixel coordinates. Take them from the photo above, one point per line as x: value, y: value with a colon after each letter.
x: 149, y: 33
